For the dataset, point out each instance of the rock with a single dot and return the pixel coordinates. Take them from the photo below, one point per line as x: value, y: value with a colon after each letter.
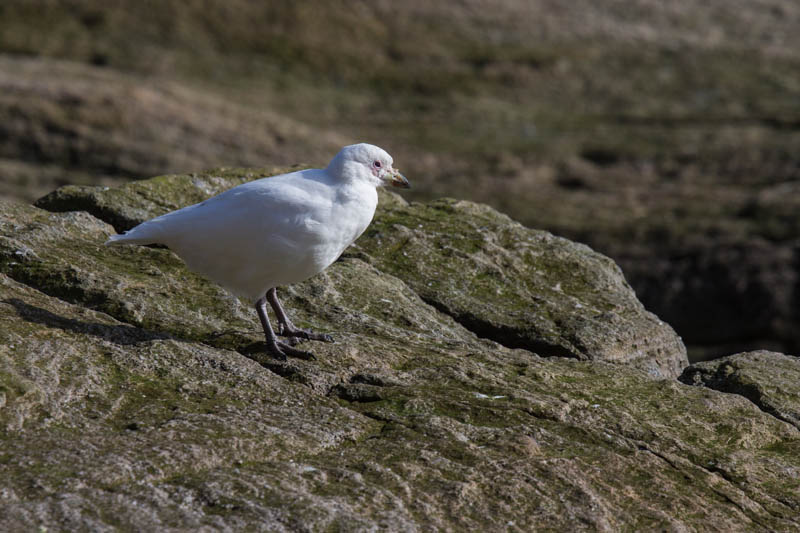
x: 102, y: 420
x: 768, y: 379
x: 520, y: 287
x: 124, y: 403
x: 109, y: 425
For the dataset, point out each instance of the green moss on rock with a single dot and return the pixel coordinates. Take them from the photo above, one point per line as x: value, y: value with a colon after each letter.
x: 116, y: 411
x: 768, y: 379
x: 522, y: 288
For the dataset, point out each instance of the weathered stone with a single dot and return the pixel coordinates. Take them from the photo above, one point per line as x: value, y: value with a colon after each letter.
x: 98, y: 415
x: 520, y: 287
x: 127, y: 402
x: 151, y: 288
x: 768, y: 379
x: 106, y: 425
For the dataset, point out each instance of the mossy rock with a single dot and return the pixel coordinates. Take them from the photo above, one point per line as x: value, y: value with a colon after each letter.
x: 770, y: 380
x: 108, y: 425
x: 136, y: 395
x: 520, y: 287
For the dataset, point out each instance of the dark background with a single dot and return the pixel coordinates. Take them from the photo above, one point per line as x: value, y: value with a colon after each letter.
x: 664, y: 134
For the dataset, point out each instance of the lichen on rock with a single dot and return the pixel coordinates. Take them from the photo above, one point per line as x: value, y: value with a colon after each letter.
x: 768, y: 379
x: 486, y: 376
x: 520, y: 287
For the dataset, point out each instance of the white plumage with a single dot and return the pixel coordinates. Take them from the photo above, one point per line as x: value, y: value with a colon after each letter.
x: 278, y: 230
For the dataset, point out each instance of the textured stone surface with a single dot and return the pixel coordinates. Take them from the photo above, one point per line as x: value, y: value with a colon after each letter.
x: 108, y: 425
x: 165, y: 414
x: 768, y: 379
x: 520, y: 287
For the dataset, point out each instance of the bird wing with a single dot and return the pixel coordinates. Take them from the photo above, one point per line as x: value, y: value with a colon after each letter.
x: 266, y: 231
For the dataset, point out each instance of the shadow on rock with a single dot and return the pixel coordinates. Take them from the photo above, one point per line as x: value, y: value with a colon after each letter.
x: 118, y: 334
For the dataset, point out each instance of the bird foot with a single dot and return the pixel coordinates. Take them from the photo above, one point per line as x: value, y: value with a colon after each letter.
x: 281, y: 350
x: 293, y: 333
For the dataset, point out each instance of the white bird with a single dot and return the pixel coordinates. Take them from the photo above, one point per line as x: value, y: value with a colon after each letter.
x: 276, y: 231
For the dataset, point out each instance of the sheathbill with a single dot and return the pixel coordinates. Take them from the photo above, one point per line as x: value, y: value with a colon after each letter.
x: 276, y: 231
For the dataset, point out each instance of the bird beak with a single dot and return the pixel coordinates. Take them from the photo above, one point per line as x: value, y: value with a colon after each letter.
x: 395, y: 179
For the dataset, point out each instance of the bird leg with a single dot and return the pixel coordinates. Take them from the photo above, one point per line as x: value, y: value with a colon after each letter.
x: 276, y: 348
x: 285, y: 326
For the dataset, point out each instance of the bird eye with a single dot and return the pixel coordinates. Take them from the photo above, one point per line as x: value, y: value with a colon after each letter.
x: 377, y: 164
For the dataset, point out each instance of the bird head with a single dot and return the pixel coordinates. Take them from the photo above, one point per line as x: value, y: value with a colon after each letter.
x: 366, y: 161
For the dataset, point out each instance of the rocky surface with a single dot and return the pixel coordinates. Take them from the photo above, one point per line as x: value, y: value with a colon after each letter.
x: 520, y: 287
x: 499, y: 279
x: 134, y: 394
x: 768, y: 379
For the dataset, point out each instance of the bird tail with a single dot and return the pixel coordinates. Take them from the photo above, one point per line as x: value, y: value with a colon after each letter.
x: 160, y: 230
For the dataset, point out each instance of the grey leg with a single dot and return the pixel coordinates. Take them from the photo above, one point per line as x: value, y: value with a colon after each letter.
x: 277, y: 349
x: 285, y: 326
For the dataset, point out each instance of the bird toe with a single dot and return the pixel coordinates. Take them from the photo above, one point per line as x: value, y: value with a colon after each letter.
x: 293, y: 335
x: 277, y: 353
x: 294, y: 352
